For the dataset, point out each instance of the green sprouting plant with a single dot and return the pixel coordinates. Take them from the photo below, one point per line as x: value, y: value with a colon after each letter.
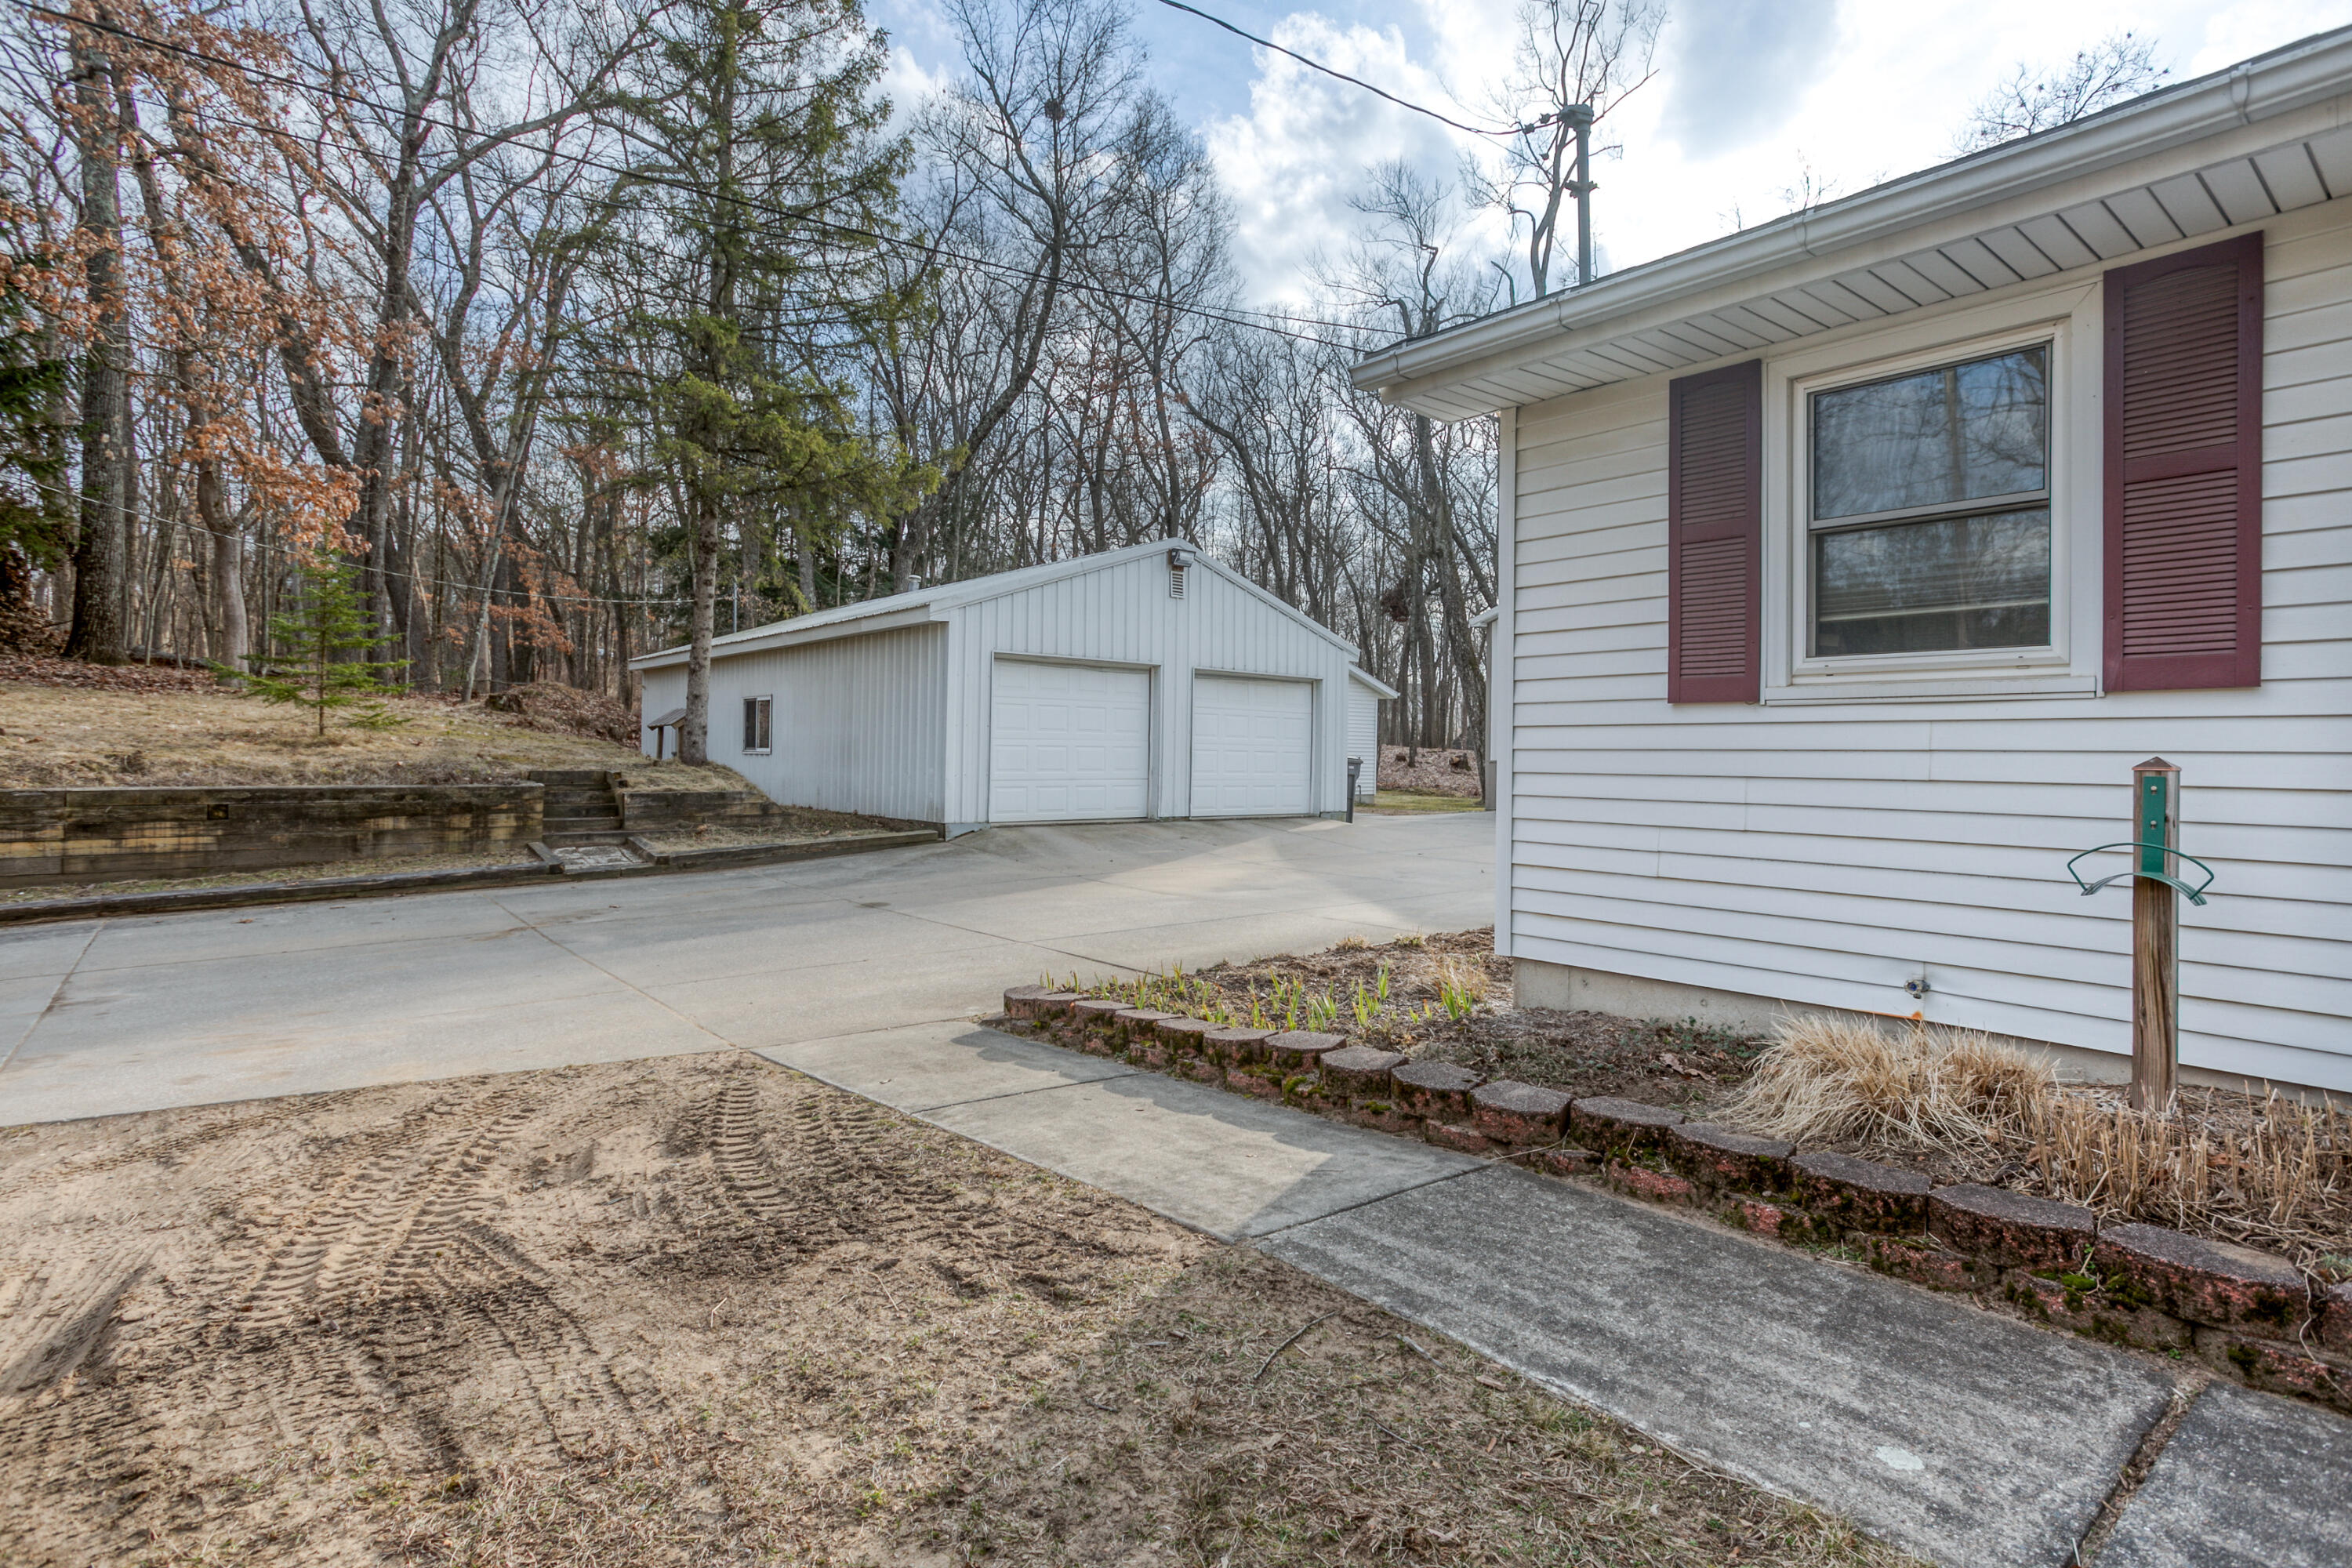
x: 1321, y: 1011
x: 1454, y: 997
x: 1257, y: 1010
x: 1381, y: 985
x: 1365, y: 1005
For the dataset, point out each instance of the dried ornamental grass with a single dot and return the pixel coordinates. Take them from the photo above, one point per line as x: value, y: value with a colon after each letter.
x: 1834, y: 1079
x: 2269, y: 1170
x: 2275, y: 1174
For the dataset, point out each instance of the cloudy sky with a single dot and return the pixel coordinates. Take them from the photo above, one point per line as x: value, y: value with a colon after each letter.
x: 1749, y: 96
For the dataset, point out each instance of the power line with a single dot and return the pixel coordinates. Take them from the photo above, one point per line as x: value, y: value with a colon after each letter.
x: 1313, y: 64
x: 129, y: 516
x: 1234, y: 316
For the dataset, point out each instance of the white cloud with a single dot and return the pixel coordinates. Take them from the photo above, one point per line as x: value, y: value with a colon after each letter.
x: 1291, y: 163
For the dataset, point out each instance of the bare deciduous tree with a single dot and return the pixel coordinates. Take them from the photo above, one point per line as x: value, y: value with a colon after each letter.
x: 2031, y: 100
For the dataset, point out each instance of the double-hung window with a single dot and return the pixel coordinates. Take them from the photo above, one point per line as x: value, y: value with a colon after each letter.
x: 1928, y: 516
x: 758, y: 714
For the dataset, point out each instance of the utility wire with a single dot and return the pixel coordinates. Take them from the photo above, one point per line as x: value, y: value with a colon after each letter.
x: 464, y: 586
x: 1234, y: 316
x: 1313, y: 64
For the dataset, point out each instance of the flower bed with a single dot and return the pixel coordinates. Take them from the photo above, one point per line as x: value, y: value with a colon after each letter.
x: 2250, y: 1314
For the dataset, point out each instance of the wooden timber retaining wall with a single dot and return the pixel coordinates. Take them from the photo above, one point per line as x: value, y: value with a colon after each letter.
x: 49, y: 835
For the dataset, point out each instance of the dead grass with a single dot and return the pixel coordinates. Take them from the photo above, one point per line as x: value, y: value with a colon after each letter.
x: 703, y: 1309
x: 196, y: 733
x: 2266, y: 1170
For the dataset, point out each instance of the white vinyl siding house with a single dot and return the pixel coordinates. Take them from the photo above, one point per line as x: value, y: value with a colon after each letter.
x: 1809, y: 825
x: 1080, y: 690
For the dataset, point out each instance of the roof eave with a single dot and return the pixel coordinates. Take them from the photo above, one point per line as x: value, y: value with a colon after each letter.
x: 2268, y: 86
x: 787, y: 635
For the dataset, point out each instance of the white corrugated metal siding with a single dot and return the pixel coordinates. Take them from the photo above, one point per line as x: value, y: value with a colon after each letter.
x: 1121, y: 613
x: 1825, y: 854
x: 856, y: 723
x: 1364, y: 735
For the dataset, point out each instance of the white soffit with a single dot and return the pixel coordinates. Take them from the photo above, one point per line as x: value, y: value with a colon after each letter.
x: 2238, y: 147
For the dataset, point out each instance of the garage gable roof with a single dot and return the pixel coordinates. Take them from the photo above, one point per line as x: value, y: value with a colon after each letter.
x: 2264, y: 137
x: 922, y: 605
x: 1380, y: 688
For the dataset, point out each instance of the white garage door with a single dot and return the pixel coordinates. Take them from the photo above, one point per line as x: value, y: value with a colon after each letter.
x: 1068, y: 743
x: 1250, y: 746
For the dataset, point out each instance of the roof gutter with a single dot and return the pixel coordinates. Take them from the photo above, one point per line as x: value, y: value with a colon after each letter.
x: 2279, y: 82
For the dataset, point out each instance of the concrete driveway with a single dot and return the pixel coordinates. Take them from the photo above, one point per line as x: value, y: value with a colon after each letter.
x: 137, y: 1014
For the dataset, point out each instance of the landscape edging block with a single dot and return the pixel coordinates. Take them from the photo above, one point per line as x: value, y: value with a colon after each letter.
x: 2068, y: 1302
x: 1437, y: 1091
x: 1719, y: 1158
x: 2331, y: 1330
x: 1519, y: 1113
x: 2203, y: 1281
x: 1236, y: 1047
x: 1620, y: 1128
x: 1358, y: 1071
x: 2011, y: 1230
x: 1862, y: 1193
x: 2275, y: 1368
x: 1297, y: 1050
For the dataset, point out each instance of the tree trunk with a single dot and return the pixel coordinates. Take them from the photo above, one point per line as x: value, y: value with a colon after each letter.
x: 694, y: 732
x: 98, y: 632
x: 230, y: 630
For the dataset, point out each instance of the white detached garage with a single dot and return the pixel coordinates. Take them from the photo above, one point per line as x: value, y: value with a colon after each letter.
x: 1144, y: 682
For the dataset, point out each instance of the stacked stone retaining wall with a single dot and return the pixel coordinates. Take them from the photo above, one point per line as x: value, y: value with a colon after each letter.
x: 2248, y: 1314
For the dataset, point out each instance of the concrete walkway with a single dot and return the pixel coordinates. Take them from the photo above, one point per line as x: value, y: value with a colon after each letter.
x: 1967, y: 1439
x: 103, y: 1017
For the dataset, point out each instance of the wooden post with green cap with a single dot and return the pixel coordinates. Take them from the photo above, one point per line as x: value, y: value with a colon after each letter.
x: 2156, y: 934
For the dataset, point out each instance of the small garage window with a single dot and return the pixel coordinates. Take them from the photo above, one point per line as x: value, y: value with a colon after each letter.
x: 757, y: 717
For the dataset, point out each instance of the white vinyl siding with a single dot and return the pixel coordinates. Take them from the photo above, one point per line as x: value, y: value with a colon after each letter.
x: 1364, y: 736
x: 1252, y: 743
x: 1068, y: 742
x: 1825, y: 854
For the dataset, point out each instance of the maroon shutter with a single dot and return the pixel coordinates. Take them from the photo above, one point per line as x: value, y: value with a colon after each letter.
x: 2184, y: 470
x: 1715, y: 529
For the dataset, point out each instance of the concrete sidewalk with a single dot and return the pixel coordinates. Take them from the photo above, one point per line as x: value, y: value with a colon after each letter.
x: 1964, y: 1437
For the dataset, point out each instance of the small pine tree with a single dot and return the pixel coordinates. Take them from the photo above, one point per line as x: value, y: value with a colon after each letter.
x: 327, y: 638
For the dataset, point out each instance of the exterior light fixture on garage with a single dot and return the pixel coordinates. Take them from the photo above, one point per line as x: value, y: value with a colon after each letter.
x: 1177, y: 559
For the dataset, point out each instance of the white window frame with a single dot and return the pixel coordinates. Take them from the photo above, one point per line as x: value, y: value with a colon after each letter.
x: 2068, y: 321
x: 769, y: 712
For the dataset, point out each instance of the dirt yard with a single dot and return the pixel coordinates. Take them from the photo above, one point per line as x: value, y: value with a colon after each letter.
x: 702, y: 1310
x: 184, y: 728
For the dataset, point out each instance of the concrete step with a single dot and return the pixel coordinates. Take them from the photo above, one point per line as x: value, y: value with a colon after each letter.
x: 574, y: 837
x: 603, y: 823
x: 577, y: 778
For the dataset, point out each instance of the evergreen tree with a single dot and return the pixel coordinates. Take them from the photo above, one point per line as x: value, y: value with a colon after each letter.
x: 760, y: 164
x: 33, y: 514
x: 327, y: 637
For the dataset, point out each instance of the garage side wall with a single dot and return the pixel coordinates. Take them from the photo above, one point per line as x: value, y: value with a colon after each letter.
x: 659, y: 691
x: 1123, y: 614
x: 856, y: 723
x: 1364, y: 736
